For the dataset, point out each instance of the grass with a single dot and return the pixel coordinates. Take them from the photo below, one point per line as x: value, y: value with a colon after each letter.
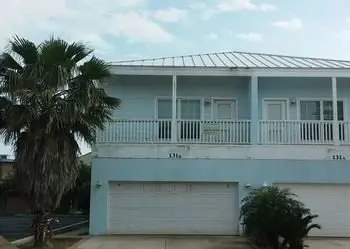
x: 57, y: 244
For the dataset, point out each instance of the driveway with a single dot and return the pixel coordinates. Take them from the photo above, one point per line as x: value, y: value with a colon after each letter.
x: 328, y: 243
x: 176, y: 242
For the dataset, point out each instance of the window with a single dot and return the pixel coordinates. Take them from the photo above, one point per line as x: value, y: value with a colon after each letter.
x: 187, y: 109
x: 190, y: 109
x: 320, y: 110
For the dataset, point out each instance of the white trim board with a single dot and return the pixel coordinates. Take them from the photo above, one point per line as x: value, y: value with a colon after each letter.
x: 260, y: 72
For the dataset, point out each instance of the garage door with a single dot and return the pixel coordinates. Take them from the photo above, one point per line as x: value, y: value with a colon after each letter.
x: 173, y: 208
x: 330, y: 202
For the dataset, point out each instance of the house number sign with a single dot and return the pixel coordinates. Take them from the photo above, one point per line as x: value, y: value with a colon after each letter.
x: 338, y: 155
x: 175, y: 155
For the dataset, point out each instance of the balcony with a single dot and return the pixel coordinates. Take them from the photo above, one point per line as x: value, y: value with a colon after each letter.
x: 235, y: 132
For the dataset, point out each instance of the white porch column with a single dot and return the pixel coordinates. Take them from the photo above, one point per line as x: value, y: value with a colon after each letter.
x: 335, y: 112
x: 254, y: 110
x: 174, y: 111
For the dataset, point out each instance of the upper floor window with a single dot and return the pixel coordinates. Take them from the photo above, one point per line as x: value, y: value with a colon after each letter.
x: 320, y: 110
x: 186, y: 109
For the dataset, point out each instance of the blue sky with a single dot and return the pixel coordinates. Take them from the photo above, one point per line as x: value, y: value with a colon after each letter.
x: 129, y: 29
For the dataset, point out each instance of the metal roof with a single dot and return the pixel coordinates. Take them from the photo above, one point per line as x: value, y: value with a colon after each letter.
x: 237, y: 59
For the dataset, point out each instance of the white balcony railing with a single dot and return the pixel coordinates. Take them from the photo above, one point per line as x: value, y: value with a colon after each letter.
x: 214, y: 132
x: 223, y: 132
x: 302, y: 132
x: 188, y: 131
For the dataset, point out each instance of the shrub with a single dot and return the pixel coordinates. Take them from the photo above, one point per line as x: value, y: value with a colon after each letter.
x: 274, y: 218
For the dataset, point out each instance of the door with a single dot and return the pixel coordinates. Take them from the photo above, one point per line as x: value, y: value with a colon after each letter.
x: 225, y: 113
x: 224, y: 110
x: 173, y: 208
x: 274, y: 131
x: 331, y: 202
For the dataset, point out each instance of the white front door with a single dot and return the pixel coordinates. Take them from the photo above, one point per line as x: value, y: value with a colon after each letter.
x: 224, y: 109
x: 173, y: 208
x: 274, y: 131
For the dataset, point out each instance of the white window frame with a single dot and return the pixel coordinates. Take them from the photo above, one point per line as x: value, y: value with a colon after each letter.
x: 212, y: 103
x: 321, y: 106
x: 201, y: 99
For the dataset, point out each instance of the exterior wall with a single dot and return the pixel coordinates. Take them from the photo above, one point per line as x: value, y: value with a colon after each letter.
x: 139, y: 93
x: 204, y: 151
x: 252, y: 173
x: 302, y: 88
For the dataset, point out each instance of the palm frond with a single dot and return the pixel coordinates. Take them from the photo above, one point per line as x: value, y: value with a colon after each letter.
x: 9, y: 63
x: 25, y: 49
x: 95, y: 69
x: 77, y: 51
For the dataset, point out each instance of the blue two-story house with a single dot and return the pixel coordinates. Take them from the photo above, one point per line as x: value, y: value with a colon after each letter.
x: 194, y: 134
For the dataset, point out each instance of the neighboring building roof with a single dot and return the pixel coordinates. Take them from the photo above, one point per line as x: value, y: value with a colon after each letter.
x: 238, y: 60
x: 5, y: 159
x: 86, y: 158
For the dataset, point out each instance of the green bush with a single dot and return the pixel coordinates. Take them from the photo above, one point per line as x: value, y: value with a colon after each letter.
x: 274, y: 218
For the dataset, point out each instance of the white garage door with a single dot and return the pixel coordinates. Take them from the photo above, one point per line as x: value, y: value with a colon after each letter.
x: 330, y: 202
x: 173, y: 208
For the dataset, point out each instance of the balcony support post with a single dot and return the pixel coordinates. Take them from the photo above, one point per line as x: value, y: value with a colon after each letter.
x: 254, y: 110
x: 174, y: 110
x: 335, y: 112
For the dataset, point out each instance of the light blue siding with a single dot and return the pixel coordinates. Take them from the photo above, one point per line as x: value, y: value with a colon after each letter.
x: 302, y: 88
x: 139, y: 93
x: 254, y: 172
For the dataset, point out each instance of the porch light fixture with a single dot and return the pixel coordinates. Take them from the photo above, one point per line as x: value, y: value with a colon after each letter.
x: 292, y: 100
x: 99, y: 184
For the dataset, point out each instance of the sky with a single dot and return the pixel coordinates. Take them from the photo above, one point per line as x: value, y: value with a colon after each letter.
x: 133, y: 29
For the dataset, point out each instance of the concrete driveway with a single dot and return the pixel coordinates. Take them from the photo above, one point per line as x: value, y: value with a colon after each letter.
x: 328, y: 243
x: 147, y: 242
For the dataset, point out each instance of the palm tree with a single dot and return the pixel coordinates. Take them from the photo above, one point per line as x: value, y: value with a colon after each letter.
x: 50, y: 99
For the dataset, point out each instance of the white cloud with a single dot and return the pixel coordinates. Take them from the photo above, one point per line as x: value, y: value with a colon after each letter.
x: 344, y: 35
x: 198, y: 6
x: 293, y: 24
x: 267, y: 7
x: 251, y: 37
x: 213, y: 36
x: 170, y: 15
x: 207, y: 11
x: 240, y: 5
x: 138, y: 27
x: 347, y: 19
x: 92, y: 20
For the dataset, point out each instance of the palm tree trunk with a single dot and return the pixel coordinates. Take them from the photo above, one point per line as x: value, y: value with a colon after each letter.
x: 40, y: 227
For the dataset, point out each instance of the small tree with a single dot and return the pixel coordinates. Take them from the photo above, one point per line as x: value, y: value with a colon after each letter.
x: 273, y: 218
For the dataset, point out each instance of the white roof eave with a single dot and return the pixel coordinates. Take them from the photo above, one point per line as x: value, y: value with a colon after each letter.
x: 232, y: 71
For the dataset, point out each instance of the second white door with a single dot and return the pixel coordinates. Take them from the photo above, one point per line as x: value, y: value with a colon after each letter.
x: 274, y: 131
